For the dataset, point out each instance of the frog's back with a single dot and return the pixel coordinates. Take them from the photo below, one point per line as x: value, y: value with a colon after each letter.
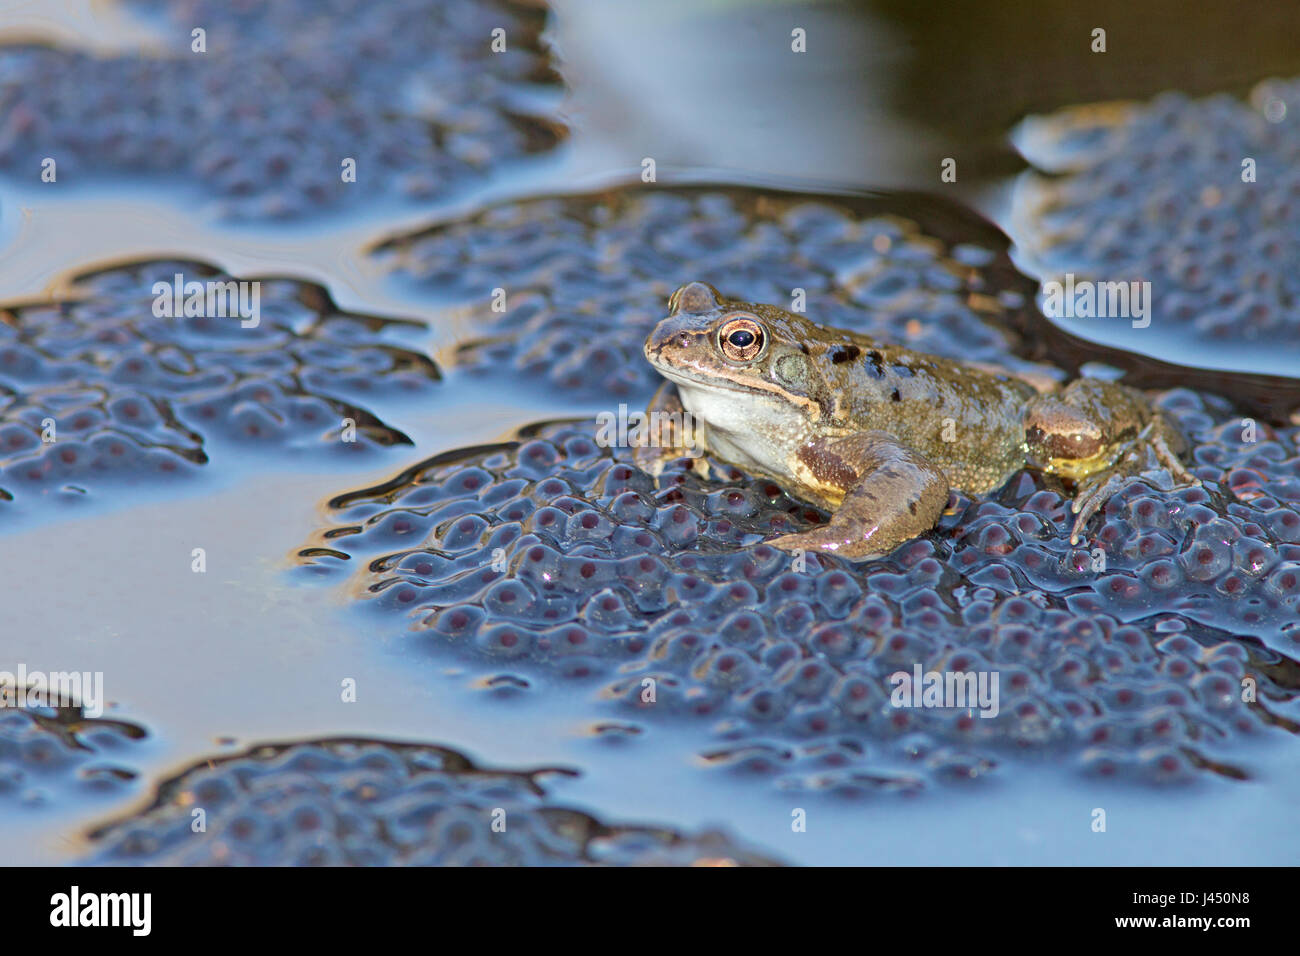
x: 967, y: 421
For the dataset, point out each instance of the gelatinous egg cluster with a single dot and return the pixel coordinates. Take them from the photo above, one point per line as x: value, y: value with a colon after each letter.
x: 99, y: 387
x: 554, y: 551
x: 369, y: 802
x: 263, y: 118
x: 1201, y: 198
x: 49, y: 755
x: 585, y: 278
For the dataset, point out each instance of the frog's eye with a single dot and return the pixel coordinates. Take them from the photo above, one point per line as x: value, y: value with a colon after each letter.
x: 741, y: 338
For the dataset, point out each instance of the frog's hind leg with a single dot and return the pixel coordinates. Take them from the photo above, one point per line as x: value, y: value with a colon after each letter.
x: 1103, y: 436
x: 890, y: 494
x: 1151, y: 450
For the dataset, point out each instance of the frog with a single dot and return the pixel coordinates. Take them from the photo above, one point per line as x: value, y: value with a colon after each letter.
x: 879, y: 435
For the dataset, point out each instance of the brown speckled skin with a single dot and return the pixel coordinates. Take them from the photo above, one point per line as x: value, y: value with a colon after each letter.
x: 878, y: 433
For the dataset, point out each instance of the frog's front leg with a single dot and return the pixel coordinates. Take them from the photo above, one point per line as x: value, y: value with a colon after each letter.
x: 1152, y: 449
x: 1104, y: 437
x: 891, y: 493
x: 667, y: 433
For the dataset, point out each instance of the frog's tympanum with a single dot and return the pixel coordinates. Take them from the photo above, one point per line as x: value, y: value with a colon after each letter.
x: 878, y: 434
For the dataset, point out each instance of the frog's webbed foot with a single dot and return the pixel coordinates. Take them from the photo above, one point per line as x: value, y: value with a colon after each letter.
x: 1092, y: 495
x: 891, y: 494
x: 1147, y: 453
x: 668, y: 433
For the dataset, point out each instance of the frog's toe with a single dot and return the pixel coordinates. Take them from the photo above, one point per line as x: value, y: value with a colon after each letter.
x: 1090, y: 500
x: 830, y: 540
x: 1083, y: 514
x: 1169, y: 459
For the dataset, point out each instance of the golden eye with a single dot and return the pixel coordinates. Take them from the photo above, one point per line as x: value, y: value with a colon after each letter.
x: 741, y: 338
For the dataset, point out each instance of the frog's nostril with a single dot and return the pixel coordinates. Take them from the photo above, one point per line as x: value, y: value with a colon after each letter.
x: 684, y: 340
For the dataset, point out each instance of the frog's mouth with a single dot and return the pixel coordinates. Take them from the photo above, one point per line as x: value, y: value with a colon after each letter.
x: 705, y: 381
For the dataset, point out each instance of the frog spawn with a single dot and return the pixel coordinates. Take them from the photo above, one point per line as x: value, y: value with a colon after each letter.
x: 586, y: 277
x: 371, y: 802
x: 336, y: 68
x: 557, y: 553
x: 1155, y: 192
x: 96, y: 389
x: 49, y: 756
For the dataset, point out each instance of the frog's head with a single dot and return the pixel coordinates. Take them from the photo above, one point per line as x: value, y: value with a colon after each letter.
x: 711, y: 345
